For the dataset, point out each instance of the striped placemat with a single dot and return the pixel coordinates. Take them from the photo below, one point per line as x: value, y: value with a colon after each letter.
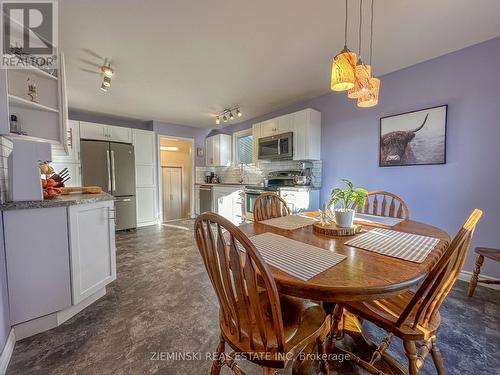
x: 297, y: 259
x: 290, y: 222
x: 407, y: 246
x: 384, y: 220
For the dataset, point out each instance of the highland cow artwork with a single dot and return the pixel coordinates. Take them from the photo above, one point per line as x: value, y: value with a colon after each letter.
x: 413, y: 138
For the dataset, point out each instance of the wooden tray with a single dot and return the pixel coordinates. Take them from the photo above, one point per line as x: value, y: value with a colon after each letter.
x: 335, y: 231
x: 81, y: 190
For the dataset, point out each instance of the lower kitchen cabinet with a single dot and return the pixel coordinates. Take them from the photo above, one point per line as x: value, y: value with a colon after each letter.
x: 299, y: 200
x: 228, y: 202
x: 92, y: 248
x: 37, y: 262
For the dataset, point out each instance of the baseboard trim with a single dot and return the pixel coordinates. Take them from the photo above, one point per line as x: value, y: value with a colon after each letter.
x: 8, y: 349
x: 466, y: 276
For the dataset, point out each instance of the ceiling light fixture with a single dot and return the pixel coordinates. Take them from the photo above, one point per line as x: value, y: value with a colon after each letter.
x: 228, y: 114
x: 370, y: 99
x: 169, y: 148
x: 343, y: 75
x: 104, y: 87
x: 107, y: 81
x: 107, y: 71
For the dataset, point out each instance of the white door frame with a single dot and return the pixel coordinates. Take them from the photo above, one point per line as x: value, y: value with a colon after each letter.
x: 193, y: 173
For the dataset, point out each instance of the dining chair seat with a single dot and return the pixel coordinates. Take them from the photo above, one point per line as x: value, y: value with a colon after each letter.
x: 386, y: 312
x: 482, y: 252
x: 302, y: 319
x: 489, y: 252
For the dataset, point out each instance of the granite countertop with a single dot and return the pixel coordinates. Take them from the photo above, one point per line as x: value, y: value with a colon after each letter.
x: 59, y: 201
x: 222, y: 184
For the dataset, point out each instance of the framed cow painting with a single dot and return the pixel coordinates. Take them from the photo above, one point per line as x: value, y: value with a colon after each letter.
x: 413, y: 138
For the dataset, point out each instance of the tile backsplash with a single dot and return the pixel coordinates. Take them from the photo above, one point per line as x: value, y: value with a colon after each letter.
x: 5, y: 150
x: 254, y: 174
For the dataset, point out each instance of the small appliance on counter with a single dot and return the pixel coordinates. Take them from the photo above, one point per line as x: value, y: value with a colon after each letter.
x: 212, y: 178
x: 24, y: 171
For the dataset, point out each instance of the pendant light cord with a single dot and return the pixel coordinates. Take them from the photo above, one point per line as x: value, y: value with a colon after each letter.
x: 360, y: 25
x: 371, y: 35
x: 345, y: 27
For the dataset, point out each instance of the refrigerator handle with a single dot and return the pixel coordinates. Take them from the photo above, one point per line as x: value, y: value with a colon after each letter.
x: 113, y: 169
x: 109, y: 171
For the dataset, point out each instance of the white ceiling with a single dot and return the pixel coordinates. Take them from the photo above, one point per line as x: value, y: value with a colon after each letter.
x: 182, y: 61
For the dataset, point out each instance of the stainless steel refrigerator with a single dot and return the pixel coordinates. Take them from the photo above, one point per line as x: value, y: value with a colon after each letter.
x: 111, y: 166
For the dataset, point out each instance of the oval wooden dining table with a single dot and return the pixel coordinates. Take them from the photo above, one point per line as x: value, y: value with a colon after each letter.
x: 362, y: 276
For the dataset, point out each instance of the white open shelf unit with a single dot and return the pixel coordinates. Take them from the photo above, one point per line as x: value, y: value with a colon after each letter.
x: 44, y: 119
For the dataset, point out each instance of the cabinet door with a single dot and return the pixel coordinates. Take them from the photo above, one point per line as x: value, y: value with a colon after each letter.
x: 144, y: 144
x: 269, y: 127
x: 119, y: 134
x: 90, y: 130
x: 92, y: 248
x: 285, y: 124
x: 256, y: 133
x: 38, y: 271
x: 209, y: 151
x: 300, y: 135
x: 146, y: 205
x: 225, y: 150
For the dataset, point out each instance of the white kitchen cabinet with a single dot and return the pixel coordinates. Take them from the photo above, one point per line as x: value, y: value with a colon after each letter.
x: 218, y: 150
x: 300, y: 200
x: 119, y: 134
x: 228, y: 202
x: 147, y: 212
x: 90, y: 130
x: 37, y: 262
x: 306, y: 128
x: 92, y: 248
x: 101, y: 132
x: 145, y: 175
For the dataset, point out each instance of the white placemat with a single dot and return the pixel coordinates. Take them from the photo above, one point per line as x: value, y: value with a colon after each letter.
x: 407, y: 246
x: 290, y: 222
x: 389, y: 221
x: 298, y: 259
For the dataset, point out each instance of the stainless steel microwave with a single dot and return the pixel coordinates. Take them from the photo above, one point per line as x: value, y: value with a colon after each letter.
x: 276, y: 147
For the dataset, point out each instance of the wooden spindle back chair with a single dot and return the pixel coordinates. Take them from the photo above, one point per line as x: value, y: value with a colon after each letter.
x: 383, y: 203
x: 251, y: 318
x: 269, y: 206
x: 415, y: 316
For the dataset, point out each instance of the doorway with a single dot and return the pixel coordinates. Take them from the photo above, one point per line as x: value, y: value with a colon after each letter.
x: 176, y: 176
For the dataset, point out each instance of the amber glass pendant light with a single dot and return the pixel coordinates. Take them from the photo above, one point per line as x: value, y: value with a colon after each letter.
x: 343, y: 66
x: 370, y: 97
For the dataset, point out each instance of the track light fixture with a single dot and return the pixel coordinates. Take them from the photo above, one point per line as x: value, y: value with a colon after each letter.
x: 107, y: 73
x: 228, y: 114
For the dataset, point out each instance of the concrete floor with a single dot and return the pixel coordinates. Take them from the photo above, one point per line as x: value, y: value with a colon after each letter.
x: 162, y: 301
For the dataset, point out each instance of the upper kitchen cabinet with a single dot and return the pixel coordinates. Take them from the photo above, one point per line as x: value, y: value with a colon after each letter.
x: 306, y: 128
x: 43, y: 116
x: 101, y: 132
x: 218, y: 150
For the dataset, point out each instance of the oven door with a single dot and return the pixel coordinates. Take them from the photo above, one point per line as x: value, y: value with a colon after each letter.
x: 250, y: 198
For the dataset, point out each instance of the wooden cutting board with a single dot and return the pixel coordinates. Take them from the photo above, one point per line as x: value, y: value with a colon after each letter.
x: 81, y: 190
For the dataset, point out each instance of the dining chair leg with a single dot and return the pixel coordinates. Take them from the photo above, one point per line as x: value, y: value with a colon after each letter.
x: 475, y: 275
x: 323, y: 363
x: 336, y: 326
x: 411, y: 354
x: 436, y: 357
x: 218, y: 361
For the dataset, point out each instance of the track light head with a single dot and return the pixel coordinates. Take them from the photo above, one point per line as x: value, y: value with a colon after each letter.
x: 217, y: 120
x: 107, y: 71
x: 104, y: 87
x: 107, y: 82
x: 231, y: 117
x: 224, y: 118
x: 238, y: 113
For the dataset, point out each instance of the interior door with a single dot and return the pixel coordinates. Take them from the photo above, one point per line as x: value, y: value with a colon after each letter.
x: 172, y: 193
x: 123, y: 168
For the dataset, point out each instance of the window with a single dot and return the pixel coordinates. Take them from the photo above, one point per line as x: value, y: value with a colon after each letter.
x: 243, y: 147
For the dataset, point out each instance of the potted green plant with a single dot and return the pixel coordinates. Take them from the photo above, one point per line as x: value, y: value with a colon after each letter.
x: 344, y: 200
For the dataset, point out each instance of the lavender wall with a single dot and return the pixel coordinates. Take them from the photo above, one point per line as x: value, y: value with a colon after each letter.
x: 173, y: 130
x: 442, y: 195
